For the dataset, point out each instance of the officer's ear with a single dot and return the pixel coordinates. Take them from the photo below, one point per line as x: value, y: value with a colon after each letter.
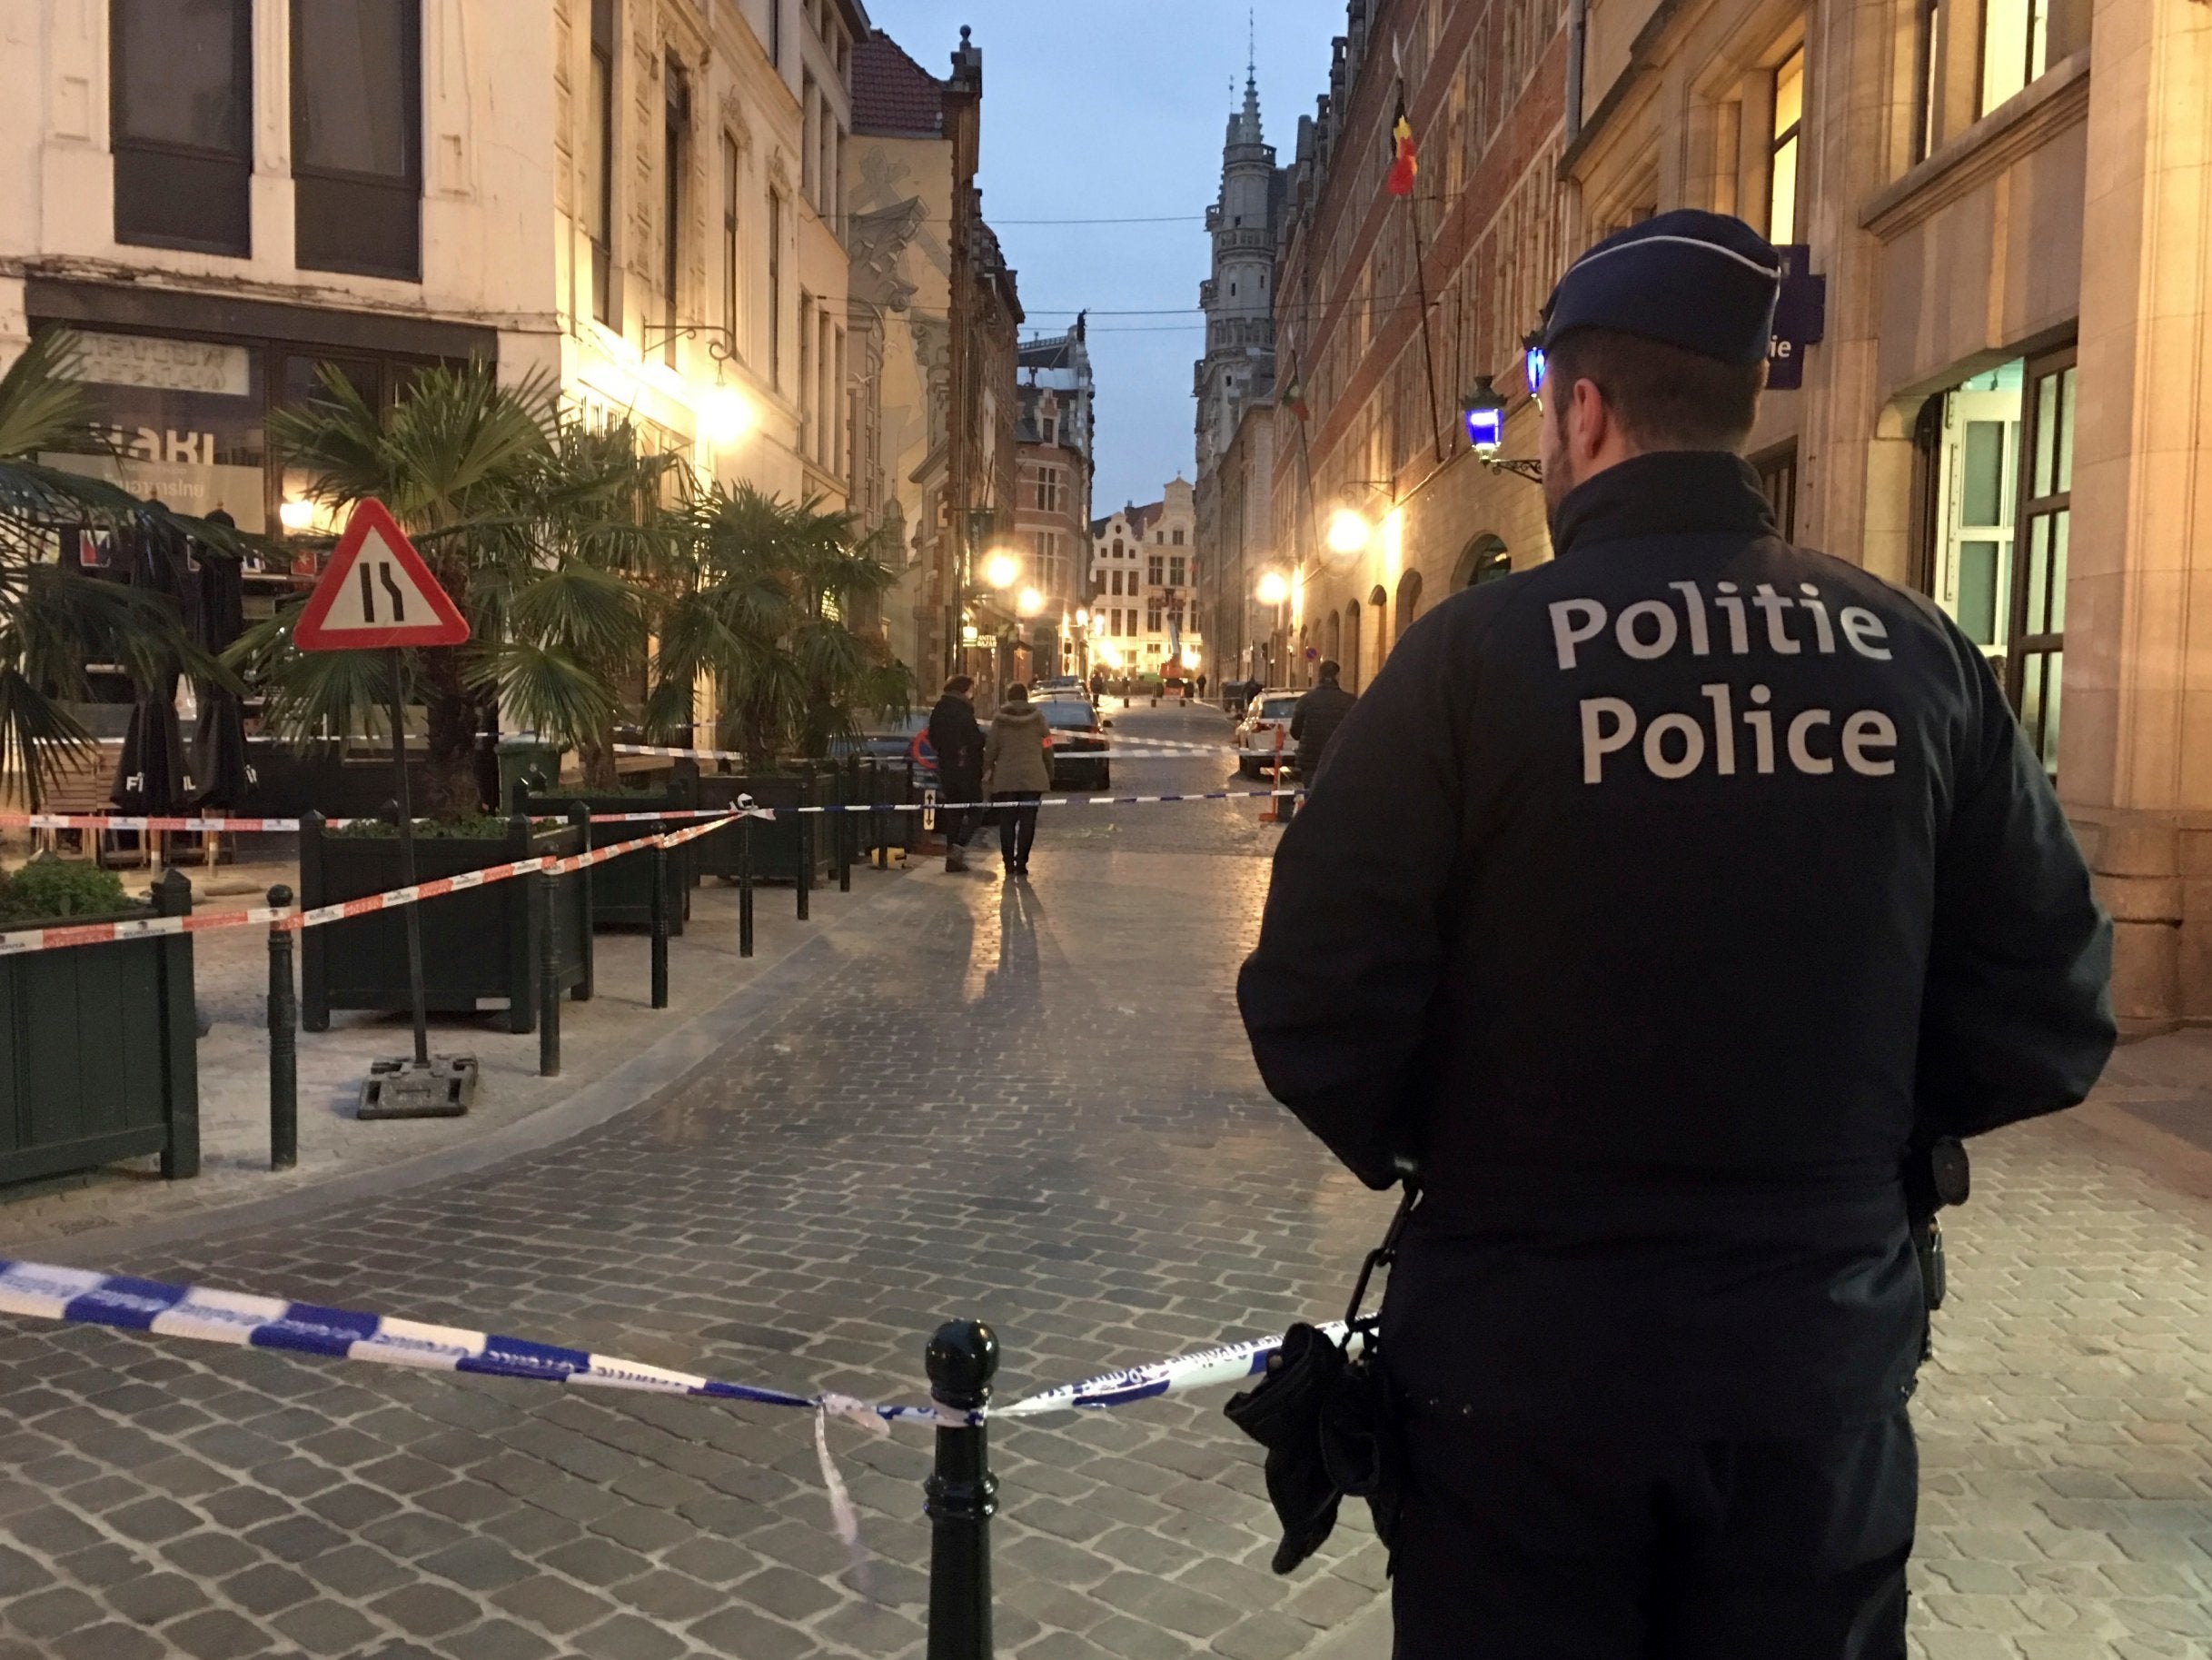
x: 1588, y: 429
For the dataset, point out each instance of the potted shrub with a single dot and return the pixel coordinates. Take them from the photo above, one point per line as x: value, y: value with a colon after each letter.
x: 98, y: 1056
x: 479, y: 947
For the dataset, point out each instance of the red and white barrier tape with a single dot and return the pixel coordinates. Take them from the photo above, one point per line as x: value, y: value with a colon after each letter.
x: 291, y: 921
x: 118, y: 821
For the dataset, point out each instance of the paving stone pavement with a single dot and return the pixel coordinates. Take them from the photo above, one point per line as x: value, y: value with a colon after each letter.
x: 1031, y: 1104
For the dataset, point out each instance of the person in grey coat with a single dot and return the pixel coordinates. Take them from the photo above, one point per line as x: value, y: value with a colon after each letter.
x: 1017, y: 771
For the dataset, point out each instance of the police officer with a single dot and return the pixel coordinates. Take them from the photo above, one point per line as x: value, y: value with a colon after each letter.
x: 1660, y: 900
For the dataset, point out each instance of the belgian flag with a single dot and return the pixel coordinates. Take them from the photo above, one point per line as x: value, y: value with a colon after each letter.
x: 1403, y: 166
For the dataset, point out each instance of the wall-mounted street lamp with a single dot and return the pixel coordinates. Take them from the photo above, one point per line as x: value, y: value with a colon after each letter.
x: 1001, y: 569
x: 1275, y: 587
x: 721, y: 345
x: 1484, y: 411
x: 1030, y: 602
x: 724, y: 416
x: 1348, y: 532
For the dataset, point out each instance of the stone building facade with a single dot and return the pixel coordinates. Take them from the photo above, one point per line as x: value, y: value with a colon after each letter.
x: 1389, y: 310
x: 1145, y: 575
x: 633, y: 197
x: 1234, y: 380
x: 1988, y: 381
x: 1054, y: 434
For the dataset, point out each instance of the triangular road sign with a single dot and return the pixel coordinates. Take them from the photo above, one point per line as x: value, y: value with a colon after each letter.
x: 377, y: 592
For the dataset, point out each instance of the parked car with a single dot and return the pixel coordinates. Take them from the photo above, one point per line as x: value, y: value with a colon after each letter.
x: 1059, y: 686
x: 1076, y: 731
x: 891, y: 740
x: 1267, y: 714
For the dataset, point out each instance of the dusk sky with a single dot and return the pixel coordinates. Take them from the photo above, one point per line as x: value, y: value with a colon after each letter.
x: 1108, y: 109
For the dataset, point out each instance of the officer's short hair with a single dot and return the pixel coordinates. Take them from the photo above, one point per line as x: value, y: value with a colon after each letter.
x: 1663, y: 397
x: 960, y: 685
x: 1331, y: 668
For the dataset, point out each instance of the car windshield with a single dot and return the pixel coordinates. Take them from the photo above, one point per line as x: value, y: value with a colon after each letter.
x: 1278, y: 709
x: 1069, y: 716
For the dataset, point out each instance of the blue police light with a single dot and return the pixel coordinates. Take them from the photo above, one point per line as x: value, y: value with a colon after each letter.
x: 1485, y: 415
x: 1532, y: 363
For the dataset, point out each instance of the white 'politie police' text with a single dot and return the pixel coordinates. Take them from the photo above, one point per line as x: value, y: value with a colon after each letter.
x: 1677, y: 743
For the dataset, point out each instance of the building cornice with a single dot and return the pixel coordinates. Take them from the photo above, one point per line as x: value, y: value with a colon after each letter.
x: 2022, y: 124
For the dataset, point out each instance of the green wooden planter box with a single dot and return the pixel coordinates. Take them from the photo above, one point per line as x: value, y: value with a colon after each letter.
x: 622, y: 888
x: 98, y: 1053
x: 479, y: 947
x: 782, y: 847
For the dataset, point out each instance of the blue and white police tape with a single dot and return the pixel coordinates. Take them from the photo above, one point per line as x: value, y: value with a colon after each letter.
x: 83, y: 1296
x: 80, y: 1296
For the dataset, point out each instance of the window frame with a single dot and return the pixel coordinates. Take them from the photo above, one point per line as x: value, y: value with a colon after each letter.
x: 675, y: 165
x: 308, y: 179
x: 2053, y: 507
x: 198, y: 162
x: 600, y: 235
x: 1790, y: 139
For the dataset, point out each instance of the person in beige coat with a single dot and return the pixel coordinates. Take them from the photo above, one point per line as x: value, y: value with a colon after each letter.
x: 1016, y: 771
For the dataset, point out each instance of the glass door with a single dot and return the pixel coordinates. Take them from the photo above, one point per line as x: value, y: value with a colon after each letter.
x: 1977, y: 476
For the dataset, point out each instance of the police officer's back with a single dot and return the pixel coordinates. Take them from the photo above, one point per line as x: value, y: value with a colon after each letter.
x: 1659, y: 899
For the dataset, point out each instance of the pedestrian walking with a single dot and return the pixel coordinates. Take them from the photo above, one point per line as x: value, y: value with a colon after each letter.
x: 1017, y: 773
x: 957, y: 738
x: 1315, y: 720
x: 1670, y: 903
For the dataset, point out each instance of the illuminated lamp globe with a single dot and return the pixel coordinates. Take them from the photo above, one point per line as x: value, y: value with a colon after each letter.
x: 1030, y: 602
x: 725, y: 415
x: 1000, y: 570
x: 1349, y: 531
x: 296, y: 514
x: 1275, y: 587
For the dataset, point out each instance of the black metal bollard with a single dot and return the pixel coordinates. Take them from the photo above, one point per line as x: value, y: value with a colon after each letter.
x: 961, y: 1494
x: 849, y: 786
x: 745, y: 887
x: 284, y: 1044
x: 806, y: 851
x: 660, y: 928
x: 879, y: 836
x: 548, y: 976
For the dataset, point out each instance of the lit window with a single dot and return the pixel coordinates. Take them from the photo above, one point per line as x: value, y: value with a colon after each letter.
x: 1789, y: 118
x: 2015, y: 47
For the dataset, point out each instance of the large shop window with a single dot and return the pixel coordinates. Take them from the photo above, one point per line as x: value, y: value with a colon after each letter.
x: 181, y: 88
x: 1998, y: 462
x: 357, y: 136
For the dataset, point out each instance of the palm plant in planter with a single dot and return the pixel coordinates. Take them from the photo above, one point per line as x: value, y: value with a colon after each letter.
x: 549, y: 537
x: 54, y: 619
x: 763, y: 610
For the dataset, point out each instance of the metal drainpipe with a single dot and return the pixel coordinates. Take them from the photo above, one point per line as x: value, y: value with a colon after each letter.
x: 1577, y: 32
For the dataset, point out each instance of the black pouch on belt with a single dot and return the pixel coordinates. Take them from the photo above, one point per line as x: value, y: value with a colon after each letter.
x: 1322, y: 1411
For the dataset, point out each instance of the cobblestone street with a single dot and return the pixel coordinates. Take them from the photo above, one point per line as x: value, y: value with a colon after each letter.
x: 1034, y: 1106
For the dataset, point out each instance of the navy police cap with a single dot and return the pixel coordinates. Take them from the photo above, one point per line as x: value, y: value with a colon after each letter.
x: 1704, y: 282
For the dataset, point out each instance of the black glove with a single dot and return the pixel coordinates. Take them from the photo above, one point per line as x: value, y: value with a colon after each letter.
x: 1284, y: 1414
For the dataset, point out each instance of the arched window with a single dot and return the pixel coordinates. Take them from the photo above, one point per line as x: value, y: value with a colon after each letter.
x: 1335, y: 650
x: 1484, y: 560
x: 1378, y: 648
x: 1409, y: 600
x: 1351, y: 659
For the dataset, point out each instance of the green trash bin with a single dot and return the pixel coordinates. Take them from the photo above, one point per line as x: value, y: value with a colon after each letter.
x: 529, y: 760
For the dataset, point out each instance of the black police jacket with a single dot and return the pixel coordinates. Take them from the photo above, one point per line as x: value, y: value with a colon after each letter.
x: 1318, y: 715
x: 1657, y: 899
